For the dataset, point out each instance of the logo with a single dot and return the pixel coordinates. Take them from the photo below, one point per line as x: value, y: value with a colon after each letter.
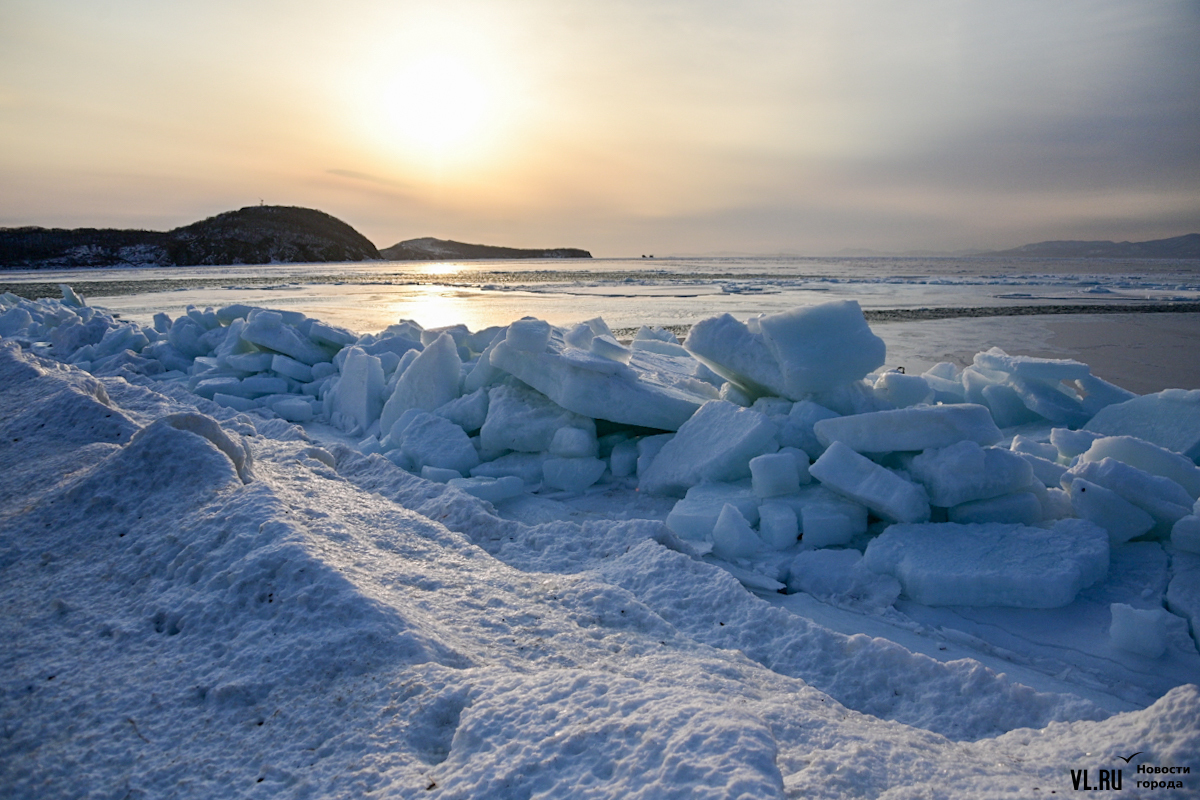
x: 1105, y: 779
x: 1147, y: 776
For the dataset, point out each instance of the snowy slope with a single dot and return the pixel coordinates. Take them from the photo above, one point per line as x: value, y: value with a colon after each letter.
x: 203, y: 598
x: 324, y: 624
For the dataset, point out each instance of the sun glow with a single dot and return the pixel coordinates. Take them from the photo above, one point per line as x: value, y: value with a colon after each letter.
x: 438, y: 105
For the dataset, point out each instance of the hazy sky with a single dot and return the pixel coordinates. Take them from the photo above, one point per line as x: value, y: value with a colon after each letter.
x: 621, y: 126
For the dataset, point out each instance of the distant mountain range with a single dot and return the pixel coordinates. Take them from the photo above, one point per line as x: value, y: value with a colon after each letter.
x: 1187, y: 246
x: 429, y: 249
x: 251, y: 235
x: 287, y: 234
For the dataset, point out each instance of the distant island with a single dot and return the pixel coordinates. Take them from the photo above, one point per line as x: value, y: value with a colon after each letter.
x: 429, y: 249
x: 1187, y: 246
x: 251, y: 235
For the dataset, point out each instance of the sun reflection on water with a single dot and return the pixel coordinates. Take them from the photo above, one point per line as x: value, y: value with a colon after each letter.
x: 438, y: 306
x: 441, y: 268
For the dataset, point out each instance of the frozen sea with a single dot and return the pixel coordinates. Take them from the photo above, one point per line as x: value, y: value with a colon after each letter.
x: 627, y: 293
x: 199, y: 602
x: 676, y: 292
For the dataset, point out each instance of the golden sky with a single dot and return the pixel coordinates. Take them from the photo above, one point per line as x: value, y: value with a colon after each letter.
x: 656, y: 126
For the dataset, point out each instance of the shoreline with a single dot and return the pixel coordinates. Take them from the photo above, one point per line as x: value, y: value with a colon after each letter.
x: 1144, y: 349
x: 919, y: 314
x: 1142, y: 346
x: 1141, y: 352
x: 974, y: 312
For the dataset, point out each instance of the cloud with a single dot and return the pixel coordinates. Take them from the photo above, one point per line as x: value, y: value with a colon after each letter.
x: 763, y: 125
x: 404, y: 186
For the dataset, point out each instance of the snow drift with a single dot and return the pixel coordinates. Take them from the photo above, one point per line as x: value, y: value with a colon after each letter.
x: 204, y: 599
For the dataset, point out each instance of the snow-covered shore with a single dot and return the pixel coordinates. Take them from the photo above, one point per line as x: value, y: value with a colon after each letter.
x: 207, y: 600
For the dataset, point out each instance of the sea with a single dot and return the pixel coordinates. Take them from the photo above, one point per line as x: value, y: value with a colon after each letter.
x: 927, y: 309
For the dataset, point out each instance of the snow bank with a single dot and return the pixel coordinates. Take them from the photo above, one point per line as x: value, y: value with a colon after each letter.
x: 203, y: 600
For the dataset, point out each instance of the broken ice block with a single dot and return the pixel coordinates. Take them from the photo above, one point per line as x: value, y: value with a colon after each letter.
x: 733, y: 537
x: 268, y: 329
x: 1044, y: 369
x: 492, y: 490
x: 947, y: 564
x: 1139, y: 630
x: 526, y: 466
x: 1008, y: 409
x: 259, y: 385
x: 528, y: 335
x: 731, y: 350
x: 1099, y: 394
x: 430, y: 381
x: 826, y: 525
x: 1071, y: 443
x: 356, y: 399
x: 331, y: 335
x: 965, y: 471
x: 623, y: 460
x: 910, y: 428
x: 522, y: 419
x: 1149, y: 457
x: 256, y: 361
x: 903, y: 390
x: 468, y: 412
x: 572, y: 474
x: 777, y: 525
x: 291, y: 368
x: 439, y: 474
x: 648, y: 448
x: 1170, y: 418
x: 1162, y: 498
x: 732, y: 393
x: 607, y: 347
x: 841, y: 576
x: 822, y: 346
x: 1019, y: 507
x: 1185, y: 534
x: 1121, y: 519
x: 716, y: 444
x: 1048, y: 472
x: 571, y: 442
x: 803, y: 462
x: 1052, y: 401
x: 652, y: 390
x: 796, y: 429
x: 293, y: 409
x: 879, y: 489
x: 694, y: 516
x: 1043, y: 450
x: 428, y: 440
x: 233, y: 401
x: 774, y: 474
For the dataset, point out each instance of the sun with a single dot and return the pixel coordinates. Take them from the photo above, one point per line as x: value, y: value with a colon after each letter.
x: 439, y: 103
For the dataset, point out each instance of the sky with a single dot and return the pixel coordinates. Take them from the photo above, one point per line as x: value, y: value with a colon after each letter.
x: 624, y: 127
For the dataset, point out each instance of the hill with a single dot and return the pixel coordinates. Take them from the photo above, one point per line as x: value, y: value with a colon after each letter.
x: 429, y: 249
x: 1187, y: 246
x: 251, y: 235
x: 262, y: 234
